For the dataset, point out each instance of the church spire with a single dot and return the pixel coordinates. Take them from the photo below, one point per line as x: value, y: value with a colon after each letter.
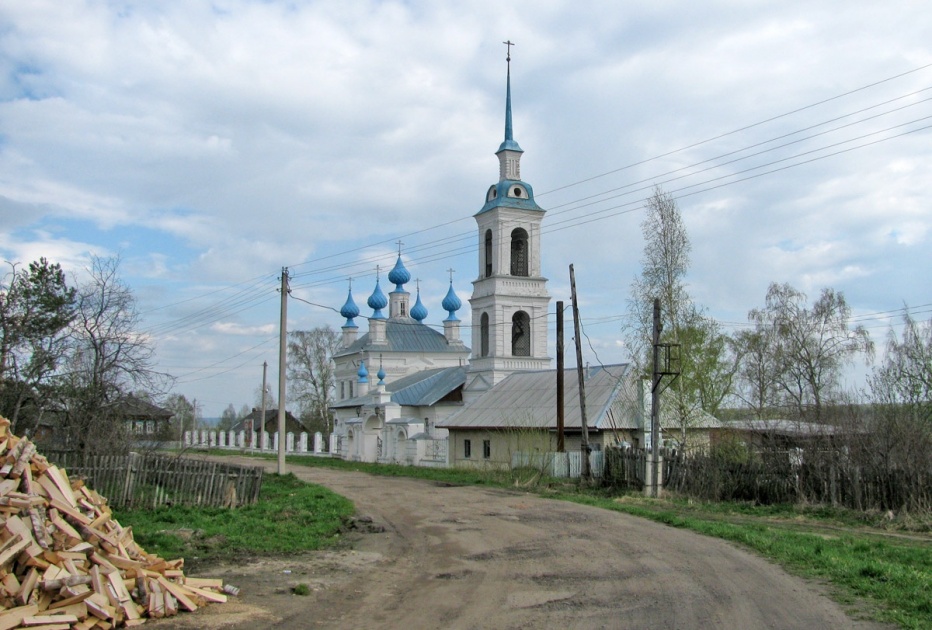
x: 509, y: 144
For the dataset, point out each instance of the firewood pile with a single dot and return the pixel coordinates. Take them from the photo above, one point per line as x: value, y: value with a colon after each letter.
x: 65, y: 562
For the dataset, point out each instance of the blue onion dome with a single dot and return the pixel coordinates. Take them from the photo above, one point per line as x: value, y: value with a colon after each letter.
x: 451, y: 304
x: 381, y: 375
x: 399, y: 275
x: 349, y: 311
x: 377, y: 301
x: 363, y: 373
x: 419, y: 311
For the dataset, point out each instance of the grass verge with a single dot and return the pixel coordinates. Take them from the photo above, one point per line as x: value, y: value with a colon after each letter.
x: 290, y: 516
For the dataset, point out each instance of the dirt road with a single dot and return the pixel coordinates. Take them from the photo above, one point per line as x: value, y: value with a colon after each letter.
x: 465, y: 557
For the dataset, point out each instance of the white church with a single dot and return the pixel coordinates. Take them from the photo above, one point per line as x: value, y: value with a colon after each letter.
x: 407, y: 393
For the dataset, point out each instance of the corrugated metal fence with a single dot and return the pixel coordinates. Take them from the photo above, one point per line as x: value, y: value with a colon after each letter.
x: 148, y: 480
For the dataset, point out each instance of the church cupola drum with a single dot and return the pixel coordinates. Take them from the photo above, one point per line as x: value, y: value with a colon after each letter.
x: 509, y: 300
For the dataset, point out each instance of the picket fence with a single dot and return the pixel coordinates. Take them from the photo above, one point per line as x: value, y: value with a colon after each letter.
x: 148, y: 480
x: 305, y: 444
x: 560, y: 465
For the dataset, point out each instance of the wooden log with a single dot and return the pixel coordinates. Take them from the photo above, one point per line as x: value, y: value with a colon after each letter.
x: 59, y: 583
x: 22, y: 462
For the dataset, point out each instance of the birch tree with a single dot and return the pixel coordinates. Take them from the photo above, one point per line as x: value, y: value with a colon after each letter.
x: 310, y: 374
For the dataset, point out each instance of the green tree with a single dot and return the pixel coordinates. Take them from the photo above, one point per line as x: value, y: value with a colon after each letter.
x: 706, y: 358
x: 36, y: 307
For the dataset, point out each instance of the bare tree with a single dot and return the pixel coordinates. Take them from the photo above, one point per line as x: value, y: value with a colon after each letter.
x: 758, y: 368
x: 110, y: 357
x: 310, y: 373
x: 811, y: 346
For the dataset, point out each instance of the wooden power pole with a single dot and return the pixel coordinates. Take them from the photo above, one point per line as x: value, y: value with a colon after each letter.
x: 561, y: 445
x: 584, y: 448
x: 282, y: 355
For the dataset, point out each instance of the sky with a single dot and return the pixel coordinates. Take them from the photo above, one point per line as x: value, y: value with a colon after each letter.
x: 211, y: 144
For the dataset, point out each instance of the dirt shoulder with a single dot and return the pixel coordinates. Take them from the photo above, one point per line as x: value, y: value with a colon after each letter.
x: 467, y: 557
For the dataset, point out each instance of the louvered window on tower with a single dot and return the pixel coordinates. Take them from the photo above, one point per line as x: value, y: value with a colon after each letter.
x: 488, y: 253
x: 519, y: 266
x: 484, y: 335
x: 521, y: 335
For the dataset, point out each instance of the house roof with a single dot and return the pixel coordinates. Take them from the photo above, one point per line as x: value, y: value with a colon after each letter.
x: 529, y: 400
x: 785, y: 427
x: 270, y: 415
x: 405, y: 334
x: 420, y: 389
x: 134, y: 408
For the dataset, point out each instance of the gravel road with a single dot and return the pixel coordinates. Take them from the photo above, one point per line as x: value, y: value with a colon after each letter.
x: 467, y: 557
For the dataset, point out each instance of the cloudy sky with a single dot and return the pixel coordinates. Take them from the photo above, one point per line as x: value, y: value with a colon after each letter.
x: 210, y: 144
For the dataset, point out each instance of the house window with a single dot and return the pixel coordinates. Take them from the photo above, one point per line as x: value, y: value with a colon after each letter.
x: 342, y: 390
x: 488, y: 253
x: 150, y: 427
x: 484, y: 335
x: 351, y: 389
x: 519, y: 253
x: 521, y: 335
x: 486, y: 449
x: 467, y: 448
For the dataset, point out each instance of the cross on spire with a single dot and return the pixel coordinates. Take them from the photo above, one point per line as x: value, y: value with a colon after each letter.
x: 451, y: 270
x: 399, y: 243
x: 509, y: 44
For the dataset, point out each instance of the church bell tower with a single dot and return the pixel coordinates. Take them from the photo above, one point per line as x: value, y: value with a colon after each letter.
x: 509, y: 300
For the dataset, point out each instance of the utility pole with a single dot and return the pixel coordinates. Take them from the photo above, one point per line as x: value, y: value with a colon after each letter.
x: 664, y: 366
x: 561, y: 445
x: 655, y: 404
x: 265, y: 367
x: 282, y: 355
x: 586, y: 472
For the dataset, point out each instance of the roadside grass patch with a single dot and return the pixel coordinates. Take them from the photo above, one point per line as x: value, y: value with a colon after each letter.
x: 895, y: 573
x: 290, y: 516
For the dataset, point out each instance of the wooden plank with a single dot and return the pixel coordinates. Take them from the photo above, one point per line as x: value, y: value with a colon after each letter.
x: 14, y: 551
x: 210, y: 596
x: 178, y: 593
x: 12, y: 618
x: 60, y: 479
x: 203, y: 582
x: 38, y: 620
x: 27, y: 587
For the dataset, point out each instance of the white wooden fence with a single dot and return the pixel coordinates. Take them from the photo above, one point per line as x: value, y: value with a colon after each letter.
x: 265, y: 442
x: 564, y: 465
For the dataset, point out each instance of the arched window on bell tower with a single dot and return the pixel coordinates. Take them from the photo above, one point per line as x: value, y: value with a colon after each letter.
x: 519, y: 252
x: 521, y: 335
x: 484, y: 335
x: 488, y: 253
